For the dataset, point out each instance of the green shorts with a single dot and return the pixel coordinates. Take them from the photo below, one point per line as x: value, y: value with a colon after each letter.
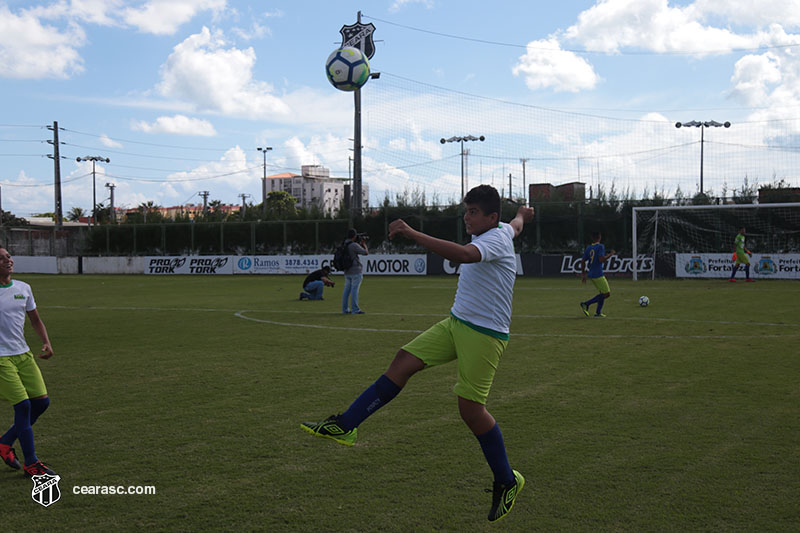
x: 601, y: 284
x: 20, y: 378
x: 477, y: 355
x: 742, y: 258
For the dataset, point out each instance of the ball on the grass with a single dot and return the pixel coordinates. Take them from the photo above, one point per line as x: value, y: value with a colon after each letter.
x: 644, y: 301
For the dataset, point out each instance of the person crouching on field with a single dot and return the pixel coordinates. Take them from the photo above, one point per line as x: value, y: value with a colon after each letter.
x: 475, y: 335
x: 21, y: 382
x: 314, y: 284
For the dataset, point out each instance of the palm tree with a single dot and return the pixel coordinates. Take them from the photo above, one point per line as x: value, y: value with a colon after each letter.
x: 75, y: 214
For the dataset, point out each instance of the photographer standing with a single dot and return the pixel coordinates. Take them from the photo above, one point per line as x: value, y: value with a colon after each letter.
x: 353, y: 275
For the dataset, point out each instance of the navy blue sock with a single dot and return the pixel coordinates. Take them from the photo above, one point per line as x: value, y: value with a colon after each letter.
x: 494, y: 449
x: 747, y: 271
x: 733, y: 272
x: 373, y: 398
x: 38, y: 406
x: 600, y: 303
x: 24, y: 431
x: 595, y: 300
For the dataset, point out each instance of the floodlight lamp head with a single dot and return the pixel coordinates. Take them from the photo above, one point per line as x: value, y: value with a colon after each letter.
x: 442, y: 140
x: 678, y: 125
x: 482, y: 138
x: 727, y: 124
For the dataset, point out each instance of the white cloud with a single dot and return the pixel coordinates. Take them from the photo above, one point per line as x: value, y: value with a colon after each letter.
x: 752, y: 76
x: 256, y: 31
x: 750, y: 12
x: 545, y: 65
x: 231, y: 176
x: 213, y: 78
x: 399, y: 4
x: 164, y: 17
x: 100, y: 12
x: 29, y: 49
x: 652, y: 25
x: 111, y: 143
x: 177, y: 125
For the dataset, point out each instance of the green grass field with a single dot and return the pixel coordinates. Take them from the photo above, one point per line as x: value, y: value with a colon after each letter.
x: 683, y: 416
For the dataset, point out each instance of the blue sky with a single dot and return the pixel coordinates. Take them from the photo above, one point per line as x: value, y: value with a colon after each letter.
x: 178, y: 94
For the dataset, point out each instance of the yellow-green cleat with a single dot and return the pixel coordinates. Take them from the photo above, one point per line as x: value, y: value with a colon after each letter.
x: 585, y: 309
x: 504, y: 496
x: 330, y: 429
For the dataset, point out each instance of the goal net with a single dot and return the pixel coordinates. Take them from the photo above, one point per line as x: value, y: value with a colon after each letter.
x: 663, y: 232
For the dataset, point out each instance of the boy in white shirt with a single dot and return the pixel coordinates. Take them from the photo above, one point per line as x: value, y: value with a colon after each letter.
x: 21, y: 382
x: 475, y: 335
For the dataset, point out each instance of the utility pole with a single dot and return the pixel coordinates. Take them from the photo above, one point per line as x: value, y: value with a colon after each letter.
x: 204, y: 194
x: 111, y: 188
x: 264, y: 149
x: 93, y: 159
x: 57, y: 174
x: 243, y: 196
x: 524, y: 188
x: 510, y: 194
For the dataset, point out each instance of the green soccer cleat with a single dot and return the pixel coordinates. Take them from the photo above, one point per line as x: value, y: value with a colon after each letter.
x: 599, y: 315
x: 330, y: 429
x: 585, y: 308
x: 504, y: 496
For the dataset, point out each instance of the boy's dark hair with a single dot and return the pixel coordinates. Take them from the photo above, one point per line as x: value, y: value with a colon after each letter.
x: 326, y: 267
x: 351, y: 233
x: 595, y: 235
x: 486, y: 198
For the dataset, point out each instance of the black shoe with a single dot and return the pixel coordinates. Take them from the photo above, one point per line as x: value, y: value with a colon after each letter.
x: 9, y: 456
x: 503, y: 497
x: 37, y: 469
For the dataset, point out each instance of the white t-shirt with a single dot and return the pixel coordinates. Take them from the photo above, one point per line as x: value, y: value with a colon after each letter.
x: 485, y: 289
x: 16, y: 299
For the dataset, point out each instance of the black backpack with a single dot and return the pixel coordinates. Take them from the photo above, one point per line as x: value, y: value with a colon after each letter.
x: 341, y: 257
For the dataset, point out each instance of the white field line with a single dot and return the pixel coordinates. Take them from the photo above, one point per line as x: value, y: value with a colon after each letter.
x: 241, y: 314
x: 441, y: 315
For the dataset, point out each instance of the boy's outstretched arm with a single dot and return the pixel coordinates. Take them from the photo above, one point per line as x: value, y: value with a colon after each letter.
x: 524, y: 215
x: 458, y: 253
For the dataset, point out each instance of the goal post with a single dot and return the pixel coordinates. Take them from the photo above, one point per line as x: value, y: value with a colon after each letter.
x: 663, y: 231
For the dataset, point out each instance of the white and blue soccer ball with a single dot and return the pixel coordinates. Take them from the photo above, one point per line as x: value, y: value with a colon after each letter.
x: 347, y: 69
x: 644, y: 301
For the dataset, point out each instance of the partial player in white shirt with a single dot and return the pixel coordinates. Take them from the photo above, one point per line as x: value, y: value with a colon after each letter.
x: 21, y: 382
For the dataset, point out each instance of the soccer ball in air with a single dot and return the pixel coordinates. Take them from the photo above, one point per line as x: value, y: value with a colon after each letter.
x: 644, y: 301
x: 347, y: 69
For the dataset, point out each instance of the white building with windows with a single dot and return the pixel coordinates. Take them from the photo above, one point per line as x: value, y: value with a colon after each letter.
x: 314, y: 186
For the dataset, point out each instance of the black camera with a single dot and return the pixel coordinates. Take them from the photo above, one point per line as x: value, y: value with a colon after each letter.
x: 362, y: 237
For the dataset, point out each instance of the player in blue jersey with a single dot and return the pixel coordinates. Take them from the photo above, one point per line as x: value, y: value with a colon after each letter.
x: 475, y: 336
x: 592, y: 261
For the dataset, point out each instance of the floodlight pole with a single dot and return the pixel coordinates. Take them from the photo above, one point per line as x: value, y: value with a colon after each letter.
x: 264, y: 149
x: 461, y: 140
x: 702, y: 126
x: 93, y: 159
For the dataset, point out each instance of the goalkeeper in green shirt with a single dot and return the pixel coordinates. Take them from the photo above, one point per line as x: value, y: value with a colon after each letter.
x: 741, y: 257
